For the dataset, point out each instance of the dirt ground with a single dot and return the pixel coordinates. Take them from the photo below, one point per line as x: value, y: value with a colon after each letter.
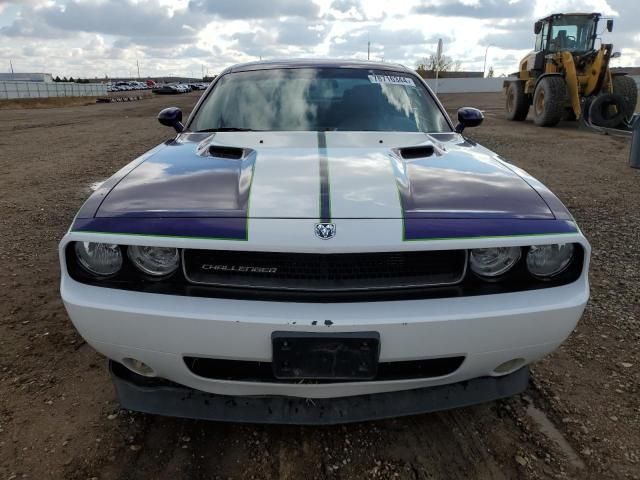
x: 580, y: 417
x: 50, y: 102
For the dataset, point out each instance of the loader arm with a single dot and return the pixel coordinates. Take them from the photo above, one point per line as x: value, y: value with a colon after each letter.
x: 571, y: 78
x: 597, y: 73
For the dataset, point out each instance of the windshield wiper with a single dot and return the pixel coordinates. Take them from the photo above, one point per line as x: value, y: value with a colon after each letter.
x: 228, y: 129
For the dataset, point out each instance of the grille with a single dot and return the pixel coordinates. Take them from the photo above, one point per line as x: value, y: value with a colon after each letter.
x: 324, y: 272
x: 249, y: 371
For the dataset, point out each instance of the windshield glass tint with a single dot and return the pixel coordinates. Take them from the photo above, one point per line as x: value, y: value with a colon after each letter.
x: 573, y: 33
x: 339, y: 99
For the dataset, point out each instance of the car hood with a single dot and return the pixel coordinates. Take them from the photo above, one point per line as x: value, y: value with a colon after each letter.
x: 323, y: 176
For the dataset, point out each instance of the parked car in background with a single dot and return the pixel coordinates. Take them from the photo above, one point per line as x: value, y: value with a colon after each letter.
x: 167, y: 89
x: 320, y: 243
x: 129, y: 85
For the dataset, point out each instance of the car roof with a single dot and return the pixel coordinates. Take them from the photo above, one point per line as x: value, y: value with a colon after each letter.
x: 315, y: 63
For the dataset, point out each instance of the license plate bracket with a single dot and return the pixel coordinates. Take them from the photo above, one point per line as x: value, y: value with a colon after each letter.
x: 325, y: 356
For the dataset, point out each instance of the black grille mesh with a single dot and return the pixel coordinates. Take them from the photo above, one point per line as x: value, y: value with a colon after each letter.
x: 238, y: 370
x: 324, y: 272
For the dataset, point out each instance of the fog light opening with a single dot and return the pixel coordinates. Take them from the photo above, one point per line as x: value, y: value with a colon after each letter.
x: 139, y: 367
x: 509, y: 366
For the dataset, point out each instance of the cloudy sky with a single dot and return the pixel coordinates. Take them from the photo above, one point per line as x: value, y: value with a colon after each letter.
x: 89, y: 38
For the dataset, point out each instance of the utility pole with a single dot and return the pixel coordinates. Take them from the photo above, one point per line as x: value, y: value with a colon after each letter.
x: 368, y: 46
x: 438, y: 62
x: 11, y: 63
x: 202, y: 71
x: 138, y: 65
x: 486, y: 51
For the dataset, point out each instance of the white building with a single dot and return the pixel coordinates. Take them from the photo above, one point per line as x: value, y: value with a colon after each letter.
x: 26, y: 77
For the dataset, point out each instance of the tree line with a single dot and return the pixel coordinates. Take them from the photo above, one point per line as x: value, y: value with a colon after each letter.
x: 72, y: 80
x: 428, y: 66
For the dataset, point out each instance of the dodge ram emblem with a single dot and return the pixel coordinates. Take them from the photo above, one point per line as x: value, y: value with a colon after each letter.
x: 325, y: 231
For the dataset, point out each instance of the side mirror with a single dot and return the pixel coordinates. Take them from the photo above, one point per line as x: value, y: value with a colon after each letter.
x: 616, y: 55
x: 610, y: 25
x: 171, y: 117
x: 468, y: 117
x: 537, y: 27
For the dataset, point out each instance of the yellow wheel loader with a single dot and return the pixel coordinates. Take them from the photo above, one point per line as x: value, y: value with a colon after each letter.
x: 568, y: 77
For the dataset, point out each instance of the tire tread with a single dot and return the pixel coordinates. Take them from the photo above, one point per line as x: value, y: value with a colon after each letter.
x: 555, y: 99
x: 626, y: 87
x: 521, y: 107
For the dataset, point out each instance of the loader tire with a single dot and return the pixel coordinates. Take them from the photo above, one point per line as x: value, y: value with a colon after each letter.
x: 517, y: 106
x: 626, y: 88
x: 549, y: 101
x: 607, y: 110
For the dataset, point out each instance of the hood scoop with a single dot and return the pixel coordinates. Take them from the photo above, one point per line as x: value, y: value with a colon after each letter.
x: 232, y: 153
x: 207, y: 148
x: 419, y: 151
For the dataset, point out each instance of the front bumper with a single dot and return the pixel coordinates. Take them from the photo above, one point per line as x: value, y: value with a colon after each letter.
x: 170, y: 399
x: 160, y: 330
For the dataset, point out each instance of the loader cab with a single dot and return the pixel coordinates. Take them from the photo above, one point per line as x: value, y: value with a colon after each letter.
x: 575, y: 33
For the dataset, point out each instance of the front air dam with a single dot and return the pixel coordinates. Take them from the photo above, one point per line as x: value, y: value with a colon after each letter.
x: 162, y: 397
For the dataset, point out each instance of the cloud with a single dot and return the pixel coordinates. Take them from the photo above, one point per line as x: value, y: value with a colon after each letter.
x: 258, y: 43
x: 29, y: 24
x: 179, y: 36
x: 510, y: 35
x: 345, y: 5
x: 295, y: 33
x: 348, y: 9
x: 252, y: 9
x: 147, y: 21
x: 6, y: 3
x: 20, y: 2
x: 626, y: 20
x: 481, y: 9
x: 401, y: 45
x: 278, y: 38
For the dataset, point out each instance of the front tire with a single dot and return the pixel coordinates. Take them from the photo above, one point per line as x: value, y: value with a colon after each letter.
x: 625, y: 87
x: 517, y: 107
x: 549, y: 101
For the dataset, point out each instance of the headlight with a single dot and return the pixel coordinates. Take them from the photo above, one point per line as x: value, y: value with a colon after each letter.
x: 549, y: 260
x: 492, y: 262
x: 102, y: 259
x: 156, y: 261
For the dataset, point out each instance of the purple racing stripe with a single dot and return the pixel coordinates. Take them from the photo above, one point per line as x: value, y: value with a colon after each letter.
x: 226, y: 228
x: 451, y: 228
x: 175, y: 192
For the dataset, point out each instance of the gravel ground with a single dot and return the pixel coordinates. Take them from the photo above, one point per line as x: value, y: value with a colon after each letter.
x: 58, y: 416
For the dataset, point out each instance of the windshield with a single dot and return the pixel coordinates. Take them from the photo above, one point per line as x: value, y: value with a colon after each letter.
x: 574, y: 33
x: 320, y: 99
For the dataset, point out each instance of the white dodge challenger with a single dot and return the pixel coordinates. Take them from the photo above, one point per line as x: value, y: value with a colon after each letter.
x: 319, y: 243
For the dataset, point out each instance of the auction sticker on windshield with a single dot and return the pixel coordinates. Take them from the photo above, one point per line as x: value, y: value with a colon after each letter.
x: 392, y: 79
